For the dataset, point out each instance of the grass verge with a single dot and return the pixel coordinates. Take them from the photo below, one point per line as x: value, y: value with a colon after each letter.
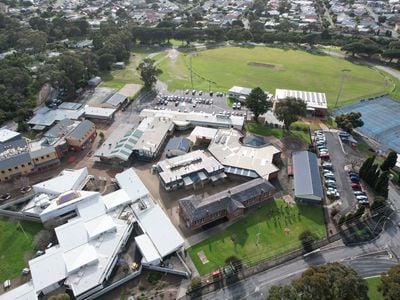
x: 276, y: 132
x: 373, y: 293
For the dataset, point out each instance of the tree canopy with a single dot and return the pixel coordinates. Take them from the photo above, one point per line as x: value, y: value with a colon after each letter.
x: 327, y: 282
x: 257, y: 102
x: 389, y: 162
x: 290, y: 110
x: 390, y: 284
x: 148, y: 72
x: 349, y: 121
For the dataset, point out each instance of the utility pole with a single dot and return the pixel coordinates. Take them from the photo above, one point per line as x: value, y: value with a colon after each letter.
x: 343, y: 75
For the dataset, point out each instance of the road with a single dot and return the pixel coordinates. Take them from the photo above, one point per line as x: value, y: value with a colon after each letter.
x: 362, y: 258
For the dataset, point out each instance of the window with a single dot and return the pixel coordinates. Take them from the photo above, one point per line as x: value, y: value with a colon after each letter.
x: 9, y: 169
x: 47, y: 156
x: 29, y: 163
x: 42, y: 157
x: 2, y: 171
x: 22, y: 166
x: 6, y: 178
x: 16, y: 167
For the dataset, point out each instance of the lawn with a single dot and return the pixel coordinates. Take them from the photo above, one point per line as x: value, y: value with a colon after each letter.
x: 373, y: 293
x: 272, y: 68
x: 276, y: 132
x: 118, y: 78
x: 14, y: 246
x: 259, y: 235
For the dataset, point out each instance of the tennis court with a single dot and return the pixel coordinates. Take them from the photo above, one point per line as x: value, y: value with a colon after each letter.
x: 381, y: 118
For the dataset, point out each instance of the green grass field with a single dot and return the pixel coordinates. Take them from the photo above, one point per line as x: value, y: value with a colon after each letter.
x: 373, y: 293
x: 259, y: 235
x: 272, y: 68
x: 14, y: 246
x: 276, y: 132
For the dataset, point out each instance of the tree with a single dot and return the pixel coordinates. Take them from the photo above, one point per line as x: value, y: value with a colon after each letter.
x: 366, y: 166
x: 390, y: 284
x: 257, y: 102
x: 289, y: 110
x: 105, y: 61
x: 391, y: 54
x: 326, y: 282
x: 381, y: 19
x: 349, y: 121
x: 307, y: 238
x: 148, y: 72
x: 382, y: 184
x: 389, y: 162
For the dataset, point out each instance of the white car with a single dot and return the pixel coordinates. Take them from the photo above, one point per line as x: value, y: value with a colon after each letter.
x: 361, y: 197
x: 330, y: 181
x: 327, y: 172
x: 359, y: 193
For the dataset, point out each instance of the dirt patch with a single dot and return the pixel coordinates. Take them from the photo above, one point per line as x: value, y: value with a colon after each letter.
x: 268, y: 66
x: 173, y: 54
x: 293, y: 144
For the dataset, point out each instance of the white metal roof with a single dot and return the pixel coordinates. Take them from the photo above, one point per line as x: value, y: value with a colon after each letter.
x: 48, y: 269
x: 115, y: 199
x: 312, y: 99
x: 240, y: 90
x: 99, y: 112
x: 79, y: 257
x: 164, y: 236
x: 66, y: 181
x: 72, y: 234
x: 7, y: 134
x: 23, y: 292
x: 131, y: 184
x: 195, y: 118
x: 230, y: 152
x: 99, y: 225
x: 204, y: 132
x: 148, y: 250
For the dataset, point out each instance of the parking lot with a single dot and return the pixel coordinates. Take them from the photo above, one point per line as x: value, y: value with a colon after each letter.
x: 339, y: 176
x: 197, y: 101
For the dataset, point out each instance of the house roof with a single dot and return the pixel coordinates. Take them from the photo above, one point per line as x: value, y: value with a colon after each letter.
x: 196, y: 208
x: 307, y: 179
x: 79, y: 131
x: 116, y: 100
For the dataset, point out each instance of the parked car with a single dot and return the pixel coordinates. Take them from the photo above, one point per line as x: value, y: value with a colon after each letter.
x: 354, y: 180
x: 234, y: 105
x: 361, y: 197
x: 328, y: 172
x: 330, y: 181
x: 344, y: 134
x: 26, y: 189
x: 327, y: 164
x: 352, y: 173
x: 359, y: 193
x: 355, y: 185
x: 5, y: 196
x: 329, y: 176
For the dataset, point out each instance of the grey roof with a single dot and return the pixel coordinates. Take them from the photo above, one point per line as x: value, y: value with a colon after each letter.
x: 81, y: 130
x: 196, y: 208
x: 307, y: 179
x: 15, y: 160
x: 42, y: 151
x: 61, y: 128
x: 116, y: 99
x: 178, y: 143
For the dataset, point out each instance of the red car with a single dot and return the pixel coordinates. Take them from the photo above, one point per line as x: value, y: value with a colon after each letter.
x: 355, y: 185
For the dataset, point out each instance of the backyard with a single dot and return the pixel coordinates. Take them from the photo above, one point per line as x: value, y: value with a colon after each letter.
x: 268, y: 231
x: 16, y: 244
x: 272, y: 68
